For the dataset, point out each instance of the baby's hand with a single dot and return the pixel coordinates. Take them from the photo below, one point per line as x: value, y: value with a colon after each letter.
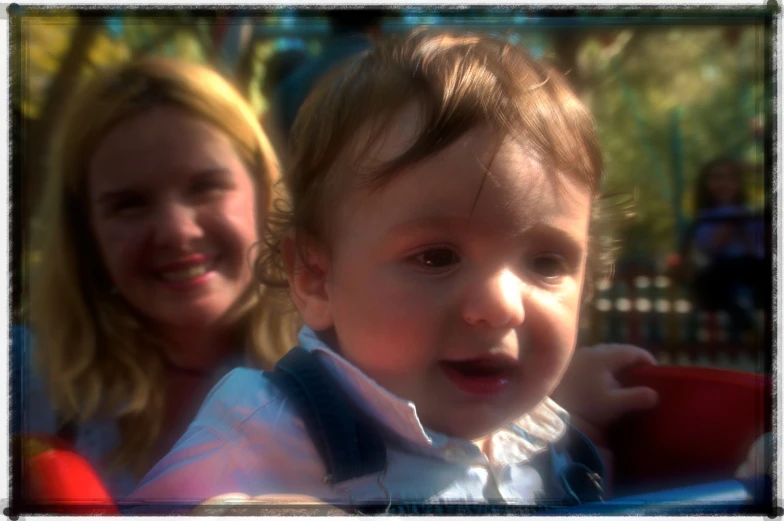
x: 590, y: 391
x: 244, y: 505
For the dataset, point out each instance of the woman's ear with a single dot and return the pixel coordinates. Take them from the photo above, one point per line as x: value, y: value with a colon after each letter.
x: 307, y: 267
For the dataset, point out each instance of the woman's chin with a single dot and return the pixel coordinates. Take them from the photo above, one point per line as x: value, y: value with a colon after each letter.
x: 197, y: 318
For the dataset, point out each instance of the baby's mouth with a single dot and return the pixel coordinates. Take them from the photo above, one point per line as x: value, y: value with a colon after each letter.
x: 484, y: 376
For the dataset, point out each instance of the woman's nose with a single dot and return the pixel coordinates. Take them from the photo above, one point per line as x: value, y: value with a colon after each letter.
x: 176, y: 225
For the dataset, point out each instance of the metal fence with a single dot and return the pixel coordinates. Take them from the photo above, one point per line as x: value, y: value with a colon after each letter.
x: 652, y: 310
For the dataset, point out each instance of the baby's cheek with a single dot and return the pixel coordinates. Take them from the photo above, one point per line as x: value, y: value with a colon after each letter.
x: 551, y: 325
x: 547, y: 360
x: 396, y: 344
x: 564, y: 358
x: 551, y: 359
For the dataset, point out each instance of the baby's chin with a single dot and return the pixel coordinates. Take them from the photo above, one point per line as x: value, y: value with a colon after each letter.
x: 474, y: 424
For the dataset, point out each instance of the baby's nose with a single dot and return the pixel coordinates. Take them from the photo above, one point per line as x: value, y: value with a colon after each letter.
x: 495, y: 301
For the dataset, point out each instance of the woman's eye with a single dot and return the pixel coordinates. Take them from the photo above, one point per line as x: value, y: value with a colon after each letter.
x: 126, y: 205
x: 208, y: 187
x: 550, y: 266
x: 438, y: 258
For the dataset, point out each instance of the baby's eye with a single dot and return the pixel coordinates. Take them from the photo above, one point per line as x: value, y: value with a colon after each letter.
x: 437, y: 258
x: 550, y: 266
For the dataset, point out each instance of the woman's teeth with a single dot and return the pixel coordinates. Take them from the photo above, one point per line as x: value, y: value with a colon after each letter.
x: 185, y: 274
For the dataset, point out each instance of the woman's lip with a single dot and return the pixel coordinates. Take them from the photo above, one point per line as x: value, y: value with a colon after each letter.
x: 185, y: 262
x: 187, y: 284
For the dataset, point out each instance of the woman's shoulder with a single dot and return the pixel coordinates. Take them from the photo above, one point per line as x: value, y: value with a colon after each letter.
x: 35, y: 415
x: 33, y: 410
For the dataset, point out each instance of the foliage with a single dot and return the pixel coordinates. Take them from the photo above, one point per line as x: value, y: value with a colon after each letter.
x: 716, y: 84
x: 634, y: 78
x: 45, y: 40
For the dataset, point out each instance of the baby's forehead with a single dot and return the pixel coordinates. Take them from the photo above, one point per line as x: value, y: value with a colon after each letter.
x: 385, y: 139
x: 483, y: 168
x: 480, y: 145
x: 479, y: 179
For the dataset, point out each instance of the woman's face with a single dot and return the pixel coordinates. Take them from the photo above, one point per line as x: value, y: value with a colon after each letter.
x: 173, y: 210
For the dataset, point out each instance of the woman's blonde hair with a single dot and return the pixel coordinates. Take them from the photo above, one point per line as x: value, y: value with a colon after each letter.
x: 460, y: 82
x: 92, y: 348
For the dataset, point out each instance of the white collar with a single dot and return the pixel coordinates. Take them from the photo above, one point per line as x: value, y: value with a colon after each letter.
x: 527, y: 436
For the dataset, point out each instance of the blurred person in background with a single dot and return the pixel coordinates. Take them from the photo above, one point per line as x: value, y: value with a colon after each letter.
x: 279, y: 67
x: 725, y: 250
x: 353, y: 32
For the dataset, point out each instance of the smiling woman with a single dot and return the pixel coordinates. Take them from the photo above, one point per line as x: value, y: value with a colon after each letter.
x: 160, y: 182
x: 173, y: 212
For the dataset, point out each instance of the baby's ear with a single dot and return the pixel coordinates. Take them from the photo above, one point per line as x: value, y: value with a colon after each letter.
x: 307, y: 266
x: 587, y: 290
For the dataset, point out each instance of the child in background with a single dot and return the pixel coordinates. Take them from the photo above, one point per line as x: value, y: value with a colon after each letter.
x: 726, y: 246
x: 435, y: 244
x: 720, y: 194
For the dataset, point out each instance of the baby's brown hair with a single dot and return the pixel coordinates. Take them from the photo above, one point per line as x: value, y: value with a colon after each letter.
x: 459, y: 82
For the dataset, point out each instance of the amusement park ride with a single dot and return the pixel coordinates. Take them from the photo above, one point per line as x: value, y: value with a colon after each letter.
x: 686, y: 451
x: 678, y: 458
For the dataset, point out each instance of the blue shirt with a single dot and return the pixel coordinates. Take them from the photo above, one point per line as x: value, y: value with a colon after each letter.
x: 248, y: 439
x: 94, y: 439
x: 747, y: 241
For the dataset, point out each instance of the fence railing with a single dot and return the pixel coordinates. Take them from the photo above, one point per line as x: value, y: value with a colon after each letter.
x: 656, y: 312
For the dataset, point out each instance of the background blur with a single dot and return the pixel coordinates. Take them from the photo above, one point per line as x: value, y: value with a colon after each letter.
x: 670, y: 91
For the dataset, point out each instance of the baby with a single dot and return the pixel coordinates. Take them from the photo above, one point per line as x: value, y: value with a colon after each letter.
x: 435, y: 244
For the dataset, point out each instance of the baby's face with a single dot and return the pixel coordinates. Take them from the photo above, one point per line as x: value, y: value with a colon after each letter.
x: 458, y: 288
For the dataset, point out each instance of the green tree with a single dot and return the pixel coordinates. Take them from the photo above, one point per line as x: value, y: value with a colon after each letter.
x: 712, y: 79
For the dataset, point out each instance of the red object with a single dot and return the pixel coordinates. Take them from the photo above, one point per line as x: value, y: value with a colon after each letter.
x: 673, y: 260
x: 701, y: 430
x: 58, y: 480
